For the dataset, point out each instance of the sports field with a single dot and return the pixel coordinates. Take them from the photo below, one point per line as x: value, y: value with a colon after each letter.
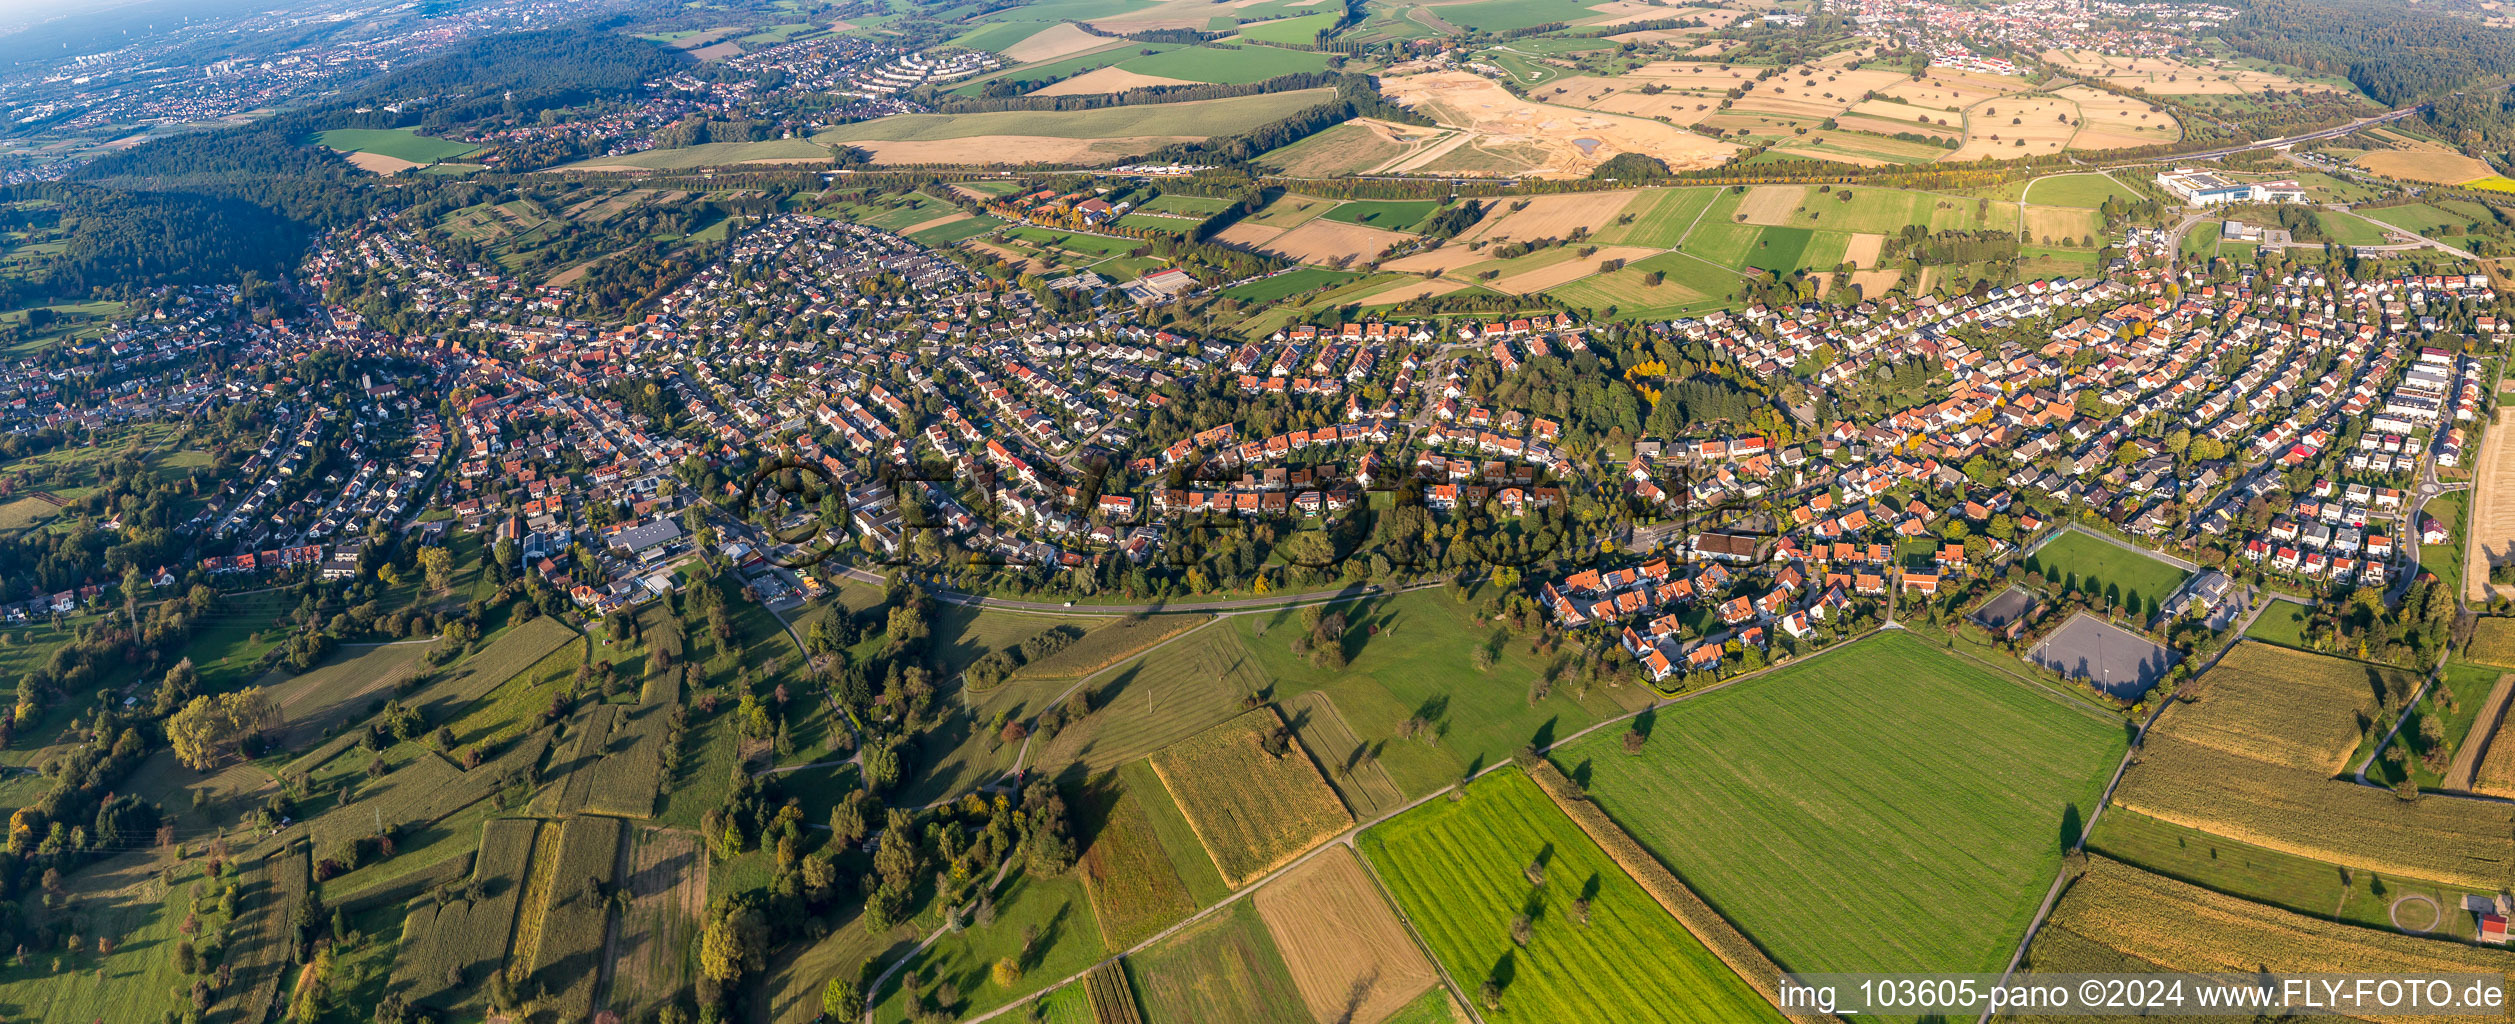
x: 1777, y: 796
x: 1467, y: 871
x: 2113, y: 574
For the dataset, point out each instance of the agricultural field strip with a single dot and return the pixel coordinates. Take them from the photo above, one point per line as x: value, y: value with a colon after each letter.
x: 1346, y: 837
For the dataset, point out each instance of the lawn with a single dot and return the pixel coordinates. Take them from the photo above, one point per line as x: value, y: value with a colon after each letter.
x: 1420, y: 663
x: 398, y: 143
x: 1303, y: 29
x: 1659, y: 217
x: 2469, y: 686
x: 1505, y: 15
x: 1777, y: 796
x: 2446, y: 559
x: 2075, y: 560
x: 1286, y: 285
x: 1778, y: 250
x: 1093, y: 246
x: 2346, y: 229
x: 1462, y: 872
x: 1055, y: 909
x: 1200, y: 119
x: 2283, y: 623
x: 1395, y: 215
x: 2088, y: 191
x: 125, y: 899
x: 1226, y: 63
x: 952, y: 233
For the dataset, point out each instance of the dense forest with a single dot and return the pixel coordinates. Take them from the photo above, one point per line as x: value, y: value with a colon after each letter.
x: 507, y: 75
x: 120, y: 240
x: 2396, y: 53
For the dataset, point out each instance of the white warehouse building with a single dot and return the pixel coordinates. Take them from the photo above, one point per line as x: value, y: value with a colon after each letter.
x: 2210, y: 188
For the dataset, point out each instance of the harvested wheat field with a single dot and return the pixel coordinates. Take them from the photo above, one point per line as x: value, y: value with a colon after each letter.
x: 1064, y: 39
x: 1323, y: 241
x: 2424, y: 161
x: 1351, y: 959
x: 1995, y: 128
x: 954, y: 217
x: 1905, y: 117
x: 1251, y: 795
x: 1409, y: 291
x: 2493, y: 771
x: 1952, y: 91
x: 1862, y: 250
x: 2166, y: 76
x: 1815, y: 91
x: 379, y: 163
x: 1254, y: 236
x: 1772, y: 204
x: 667, y: 885
x: 1108, y: 79
x: 1444, y: 259
x: 1570, y: 270
x: 2108, y: 121
x: 1554, y: 216
x: 2476, y: 744
x: 1873, y: 283
x: 1561, y: 142
x: 1686, y: 92
x: 2492, y: 527
x: 2118, y: 917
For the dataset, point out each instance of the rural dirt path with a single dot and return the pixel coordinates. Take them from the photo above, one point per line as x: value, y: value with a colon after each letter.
x: 2475, y: 744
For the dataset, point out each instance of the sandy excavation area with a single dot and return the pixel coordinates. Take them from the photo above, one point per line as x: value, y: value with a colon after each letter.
x: 1560, y: 142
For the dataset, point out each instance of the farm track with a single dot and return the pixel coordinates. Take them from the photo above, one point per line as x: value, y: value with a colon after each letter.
x: 2484, y: 729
